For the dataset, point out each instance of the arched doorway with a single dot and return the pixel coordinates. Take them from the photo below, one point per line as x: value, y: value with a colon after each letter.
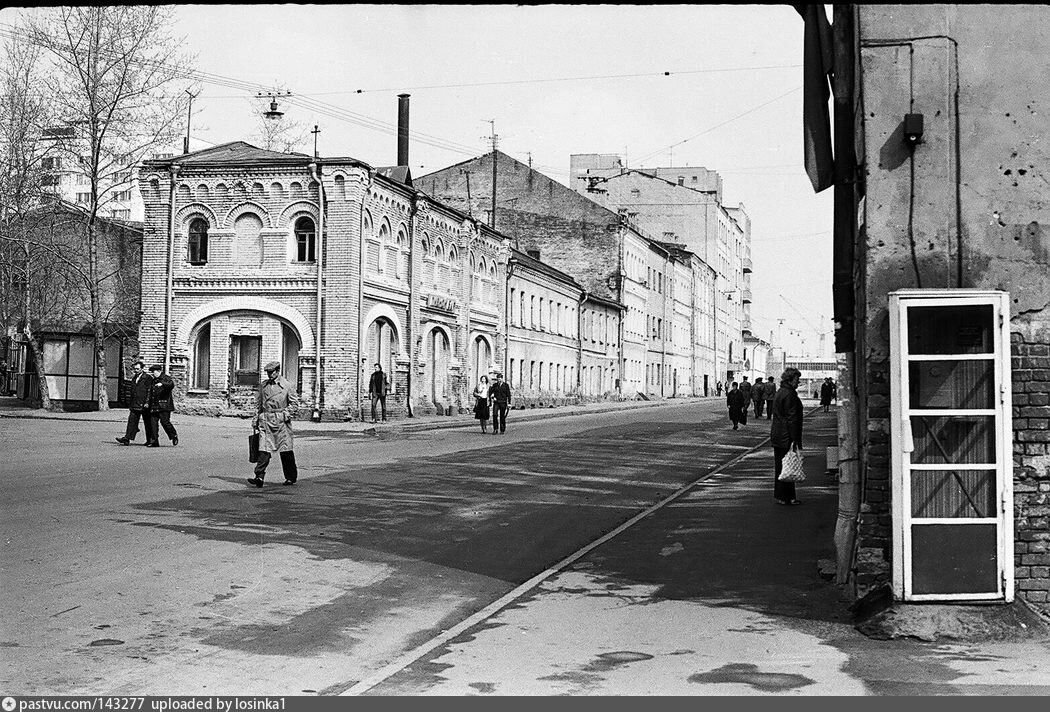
x: 482, y: 357
x: 381, y: 346
x: 437, y: 350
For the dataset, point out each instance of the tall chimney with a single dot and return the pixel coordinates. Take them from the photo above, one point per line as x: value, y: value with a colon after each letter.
x: 402, y: 129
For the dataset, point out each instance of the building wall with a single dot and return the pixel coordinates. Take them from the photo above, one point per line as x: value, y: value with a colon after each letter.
x: 544, y: 347
x: 977, y: 215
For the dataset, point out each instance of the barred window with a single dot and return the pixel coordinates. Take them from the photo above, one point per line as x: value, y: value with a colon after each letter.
x: 197, y: 245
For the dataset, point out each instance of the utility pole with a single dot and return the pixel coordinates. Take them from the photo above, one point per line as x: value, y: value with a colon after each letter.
x: 530, y: 159
x: 189, y: 118
x: 315, y: 132
x: 495, y: 142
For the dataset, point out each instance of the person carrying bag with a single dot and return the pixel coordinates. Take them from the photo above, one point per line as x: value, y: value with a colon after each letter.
x: 785, y: 435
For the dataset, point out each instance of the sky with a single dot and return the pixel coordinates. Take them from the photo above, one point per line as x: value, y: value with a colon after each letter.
x: 717, y: 86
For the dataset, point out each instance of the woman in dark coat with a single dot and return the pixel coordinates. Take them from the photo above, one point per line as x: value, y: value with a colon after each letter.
x: 785, y: 431
x: 827, y: 393
x: 737, y: 402
x: 481, y: 401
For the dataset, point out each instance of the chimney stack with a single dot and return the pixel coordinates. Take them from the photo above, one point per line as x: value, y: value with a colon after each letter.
x: 533, y: 253
x: 402, y: 129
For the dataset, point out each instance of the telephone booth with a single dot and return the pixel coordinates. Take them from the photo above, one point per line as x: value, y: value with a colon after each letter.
x: 951, y: 449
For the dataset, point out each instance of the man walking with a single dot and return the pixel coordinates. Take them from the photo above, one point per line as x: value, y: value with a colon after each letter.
x: 745, y: 391
x: 499, y: 394
x: 141, y: 385
x: 275, y: 406
x: 161, y: 404
x: 378, y: 387
x: 758, y: 396
x: 770, y: 390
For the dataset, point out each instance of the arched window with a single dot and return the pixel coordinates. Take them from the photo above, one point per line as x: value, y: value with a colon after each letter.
x: 521, y: 311
x: 198, y: 242
x: 492, y: 283
x: 202, y: 358
x: 381, y: 346
x: 248, y: 246
x: 305, y: 240
x: 402, y: 253
x: 428, y: 262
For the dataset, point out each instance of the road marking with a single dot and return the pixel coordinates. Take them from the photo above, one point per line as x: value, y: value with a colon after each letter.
x: 410, y: 657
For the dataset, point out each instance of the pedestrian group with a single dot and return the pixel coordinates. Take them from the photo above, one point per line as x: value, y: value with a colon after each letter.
x: 152, y: 403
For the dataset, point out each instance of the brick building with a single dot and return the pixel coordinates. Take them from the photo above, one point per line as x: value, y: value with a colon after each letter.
x: 243, y: 266
x: 941, y: 279
x: 608, y: 256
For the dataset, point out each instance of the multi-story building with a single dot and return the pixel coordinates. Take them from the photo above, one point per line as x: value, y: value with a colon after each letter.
x: 119, y: 196
x: 600, y: 248
x: 327, y: 265
x: 673, y: 211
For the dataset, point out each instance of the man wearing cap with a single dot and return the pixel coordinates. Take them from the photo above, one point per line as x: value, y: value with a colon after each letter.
x: 276, y: 404
x: 499, y: 394
x: 141, y: 383
x: 161, y: 404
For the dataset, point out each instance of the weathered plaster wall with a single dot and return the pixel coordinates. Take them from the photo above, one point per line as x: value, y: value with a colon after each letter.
x: 967, y: 208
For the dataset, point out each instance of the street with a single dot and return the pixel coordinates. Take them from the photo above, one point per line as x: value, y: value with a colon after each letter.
x: 445, y: 562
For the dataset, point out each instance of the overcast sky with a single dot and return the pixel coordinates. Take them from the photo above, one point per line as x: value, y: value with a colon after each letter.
x: 556, y: 80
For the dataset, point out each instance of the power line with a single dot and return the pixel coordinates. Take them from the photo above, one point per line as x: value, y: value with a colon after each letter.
x: 716, y: 126
x: 562, y: 79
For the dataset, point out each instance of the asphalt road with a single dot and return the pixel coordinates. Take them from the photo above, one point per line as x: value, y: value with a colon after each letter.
x: 434, y: 562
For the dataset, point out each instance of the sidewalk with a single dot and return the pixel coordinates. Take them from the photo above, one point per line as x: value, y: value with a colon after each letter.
x: 11, y: 407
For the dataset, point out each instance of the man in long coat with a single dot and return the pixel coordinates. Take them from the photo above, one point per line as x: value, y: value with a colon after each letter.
x: 737, y: 405
x: 276, y: 405
x: 161, y: 405
x: 141, y: 384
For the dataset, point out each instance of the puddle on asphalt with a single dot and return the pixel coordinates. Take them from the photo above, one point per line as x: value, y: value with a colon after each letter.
x: 748, y: 674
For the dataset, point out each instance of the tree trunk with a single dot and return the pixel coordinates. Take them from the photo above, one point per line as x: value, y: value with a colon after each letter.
x: 97, y: 327
x: 38, y: 367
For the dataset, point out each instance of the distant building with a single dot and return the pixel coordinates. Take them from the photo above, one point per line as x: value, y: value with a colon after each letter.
x: 609, y: 257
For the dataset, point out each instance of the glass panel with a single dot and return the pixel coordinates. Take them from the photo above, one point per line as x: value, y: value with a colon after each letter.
x: 56, y: 355
x: 80, y: 388
x: 954, y: 558
x: 964, y: 440
x: 56, y: 387
x: 953, y: 493
x: 81, y: 357
x: 951, y: 329
x: 952, y: 384
x: 112, y: 358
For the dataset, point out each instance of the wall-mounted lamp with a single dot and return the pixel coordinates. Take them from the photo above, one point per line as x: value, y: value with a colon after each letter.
x: 912, y: 129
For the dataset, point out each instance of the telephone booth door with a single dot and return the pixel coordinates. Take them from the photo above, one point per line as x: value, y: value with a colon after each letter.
x: 951, y: 445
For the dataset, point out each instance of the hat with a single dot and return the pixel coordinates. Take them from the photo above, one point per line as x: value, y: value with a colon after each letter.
x: 272, y: 366
x: 156, y: 367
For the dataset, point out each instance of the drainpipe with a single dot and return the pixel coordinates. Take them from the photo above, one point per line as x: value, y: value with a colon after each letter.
x: 361, y: 292
x: 579, y: 341
x: 169, y: 278
x: 511, y: 264
x: 316, y: 415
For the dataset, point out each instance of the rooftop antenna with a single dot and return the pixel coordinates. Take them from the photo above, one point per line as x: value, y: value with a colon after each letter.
x: 189, y: 118
x: 274, y: 113
x: 315, y: 132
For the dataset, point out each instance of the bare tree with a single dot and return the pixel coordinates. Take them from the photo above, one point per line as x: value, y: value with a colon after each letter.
x: 115, y: 80
x: 26, y: 272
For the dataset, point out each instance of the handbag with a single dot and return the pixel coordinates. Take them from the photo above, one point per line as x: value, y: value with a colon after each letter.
x: 253, y: 447
x: 791, y: 469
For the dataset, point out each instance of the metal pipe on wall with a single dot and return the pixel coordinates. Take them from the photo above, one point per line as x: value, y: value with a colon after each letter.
x: 169, y: 286
x: 319, y: 240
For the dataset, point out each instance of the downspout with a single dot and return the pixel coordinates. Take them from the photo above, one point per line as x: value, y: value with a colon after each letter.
x: 410, y: 323
x: 511, y: 263
x: 579, y: 342
x: 621, y: 274
x: 361, y: 295
x: 316, y: 415
x: 663, y: 333
x: 169, y: 288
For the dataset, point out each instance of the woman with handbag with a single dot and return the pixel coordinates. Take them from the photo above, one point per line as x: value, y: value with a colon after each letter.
x: 481, y: 401
x: 785, y: 435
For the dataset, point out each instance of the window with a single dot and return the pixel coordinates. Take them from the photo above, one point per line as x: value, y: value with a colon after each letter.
x: 123, y: 196
x: 197, y: 245
x: 305, y: 240
x: 202, y: 359
x: 245, y: 352
x: 121, y: 214
x: 51, y: 163
x: 83, y: 198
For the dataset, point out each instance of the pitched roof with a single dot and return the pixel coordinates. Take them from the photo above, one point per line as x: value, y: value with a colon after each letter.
x: 401, y: 174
